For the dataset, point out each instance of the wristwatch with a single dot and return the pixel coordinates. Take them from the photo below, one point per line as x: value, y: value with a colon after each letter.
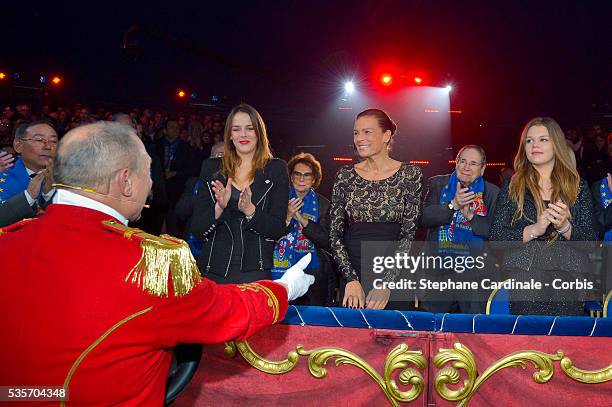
x: 451, y: 206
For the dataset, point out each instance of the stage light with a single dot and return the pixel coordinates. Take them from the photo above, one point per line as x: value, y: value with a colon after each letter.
x: 386, y: 79
x: 181, y: 93
x: 16, y: 76
x: 56, y: 80
x: 448, y: 88
x: 42, y: 79
x: 215, y: 99
x: 418, y: 80
x: 349, y: 87
x: 194, y: 95
x: 2, y: 76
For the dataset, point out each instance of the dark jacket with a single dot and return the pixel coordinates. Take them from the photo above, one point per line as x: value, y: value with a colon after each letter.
x: 603, y: 216
x: 436, y: 214
x: 540, y: 254
x: 183, y: 164
x: 15, y: 209
x: 318, y: 233
x: 270, y: 194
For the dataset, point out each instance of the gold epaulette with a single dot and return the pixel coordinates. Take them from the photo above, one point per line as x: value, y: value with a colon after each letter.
x: 161, y: 256
x: 15, y: 226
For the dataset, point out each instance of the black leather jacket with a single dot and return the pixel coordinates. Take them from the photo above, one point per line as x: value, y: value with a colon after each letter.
x: 270, y: 194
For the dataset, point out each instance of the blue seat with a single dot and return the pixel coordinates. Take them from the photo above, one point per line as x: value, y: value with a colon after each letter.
x: 499, y: 302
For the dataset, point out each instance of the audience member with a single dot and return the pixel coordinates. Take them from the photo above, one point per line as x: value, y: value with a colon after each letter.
x: 241, y: 208
x: 457, y: 212
x: 307, y: 229
x: 546, y: 201
x: 30, y: 178
x: 378, y: 199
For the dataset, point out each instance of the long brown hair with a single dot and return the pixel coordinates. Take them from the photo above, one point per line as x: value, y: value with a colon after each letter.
x: 564, y: 178
x: 263, y: 154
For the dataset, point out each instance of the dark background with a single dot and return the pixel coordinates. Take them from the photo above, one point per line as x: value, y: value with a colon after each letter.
x: 507, y: 61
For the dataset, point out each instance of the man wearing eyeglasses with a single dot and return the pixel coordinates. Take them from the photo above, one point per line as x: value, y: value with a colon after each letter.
x: 27, y: 186
x: 457, y: 212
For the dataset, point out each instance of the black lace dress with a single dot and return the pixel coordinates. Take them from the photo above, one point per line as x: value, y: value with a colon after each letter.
x: 364, y: 210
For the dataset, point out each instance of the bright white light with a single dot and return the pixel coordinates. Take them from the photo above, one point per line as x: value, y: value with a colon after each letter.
x: 449, y: 88
x: 349, y: 87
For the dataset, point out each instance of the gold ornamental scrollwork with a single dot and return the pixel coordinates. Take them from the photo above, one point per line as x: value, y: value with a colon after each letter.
x: 399, y: 358
x: 460, y: 357
x: 585, y: 376
x: 258, y: 362
x: 463, y: 358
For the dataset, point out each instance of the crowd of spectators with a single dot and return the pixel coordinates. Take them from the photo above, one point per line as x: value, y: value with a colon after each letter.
x: 179, y: 143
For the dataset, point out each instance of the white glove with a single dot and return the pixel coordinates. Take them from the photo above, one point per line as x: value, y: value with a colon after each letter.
x: 296, y: 280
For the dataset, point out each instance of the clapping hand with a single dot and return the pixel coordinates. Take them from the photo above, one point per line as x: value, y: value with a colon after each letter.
x: 6, y: 160
x: 294, y: 206
x: 245, y: 204
x: 222, y: 193
x: 463, y: 197
x: 558, y: 214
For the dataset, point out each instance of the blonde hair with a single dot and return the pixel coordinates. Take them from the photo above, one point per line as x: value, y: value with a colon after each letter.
x: 263, y: 154
x: 564, y: 177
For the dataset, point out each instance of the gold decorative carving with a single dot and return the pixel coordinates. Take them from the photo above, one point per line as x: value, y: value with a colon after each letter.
x: 464, y: 359
x: 258, y: 362
x: 399, y: 358
x: 585, y: 376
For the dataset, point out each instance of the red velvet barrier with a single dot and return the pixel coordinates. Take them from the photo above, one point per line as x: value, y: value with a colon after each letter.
x: 227, y: 382
x: 515, y: 386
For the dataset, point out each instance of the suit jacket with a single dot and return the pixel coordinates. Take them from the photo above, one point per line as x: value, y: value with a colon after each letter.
x: 15, y: 209
x: 603, y: 216
x: 183, y: 163
x: 436, y: 214
x: 74, y: 318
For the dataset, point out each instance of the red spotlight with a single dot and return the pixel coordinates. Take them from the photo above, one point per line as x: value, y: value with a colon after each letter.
x: 2, y: 76
x: 56, y: 80
x: 418, y: 80
x: 181, y: 93
x: 386, y: 79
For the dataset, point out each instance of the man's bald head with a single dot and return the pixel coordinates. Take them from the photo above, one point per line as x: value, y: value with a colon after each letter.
x: 88, y: 156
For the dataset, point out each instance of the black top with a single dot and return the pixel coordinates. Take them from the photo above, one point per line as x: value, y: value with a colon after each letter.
x: 235, y: 224
x: 396, y: 199
x: 544, y: 260
x: 222, y: 237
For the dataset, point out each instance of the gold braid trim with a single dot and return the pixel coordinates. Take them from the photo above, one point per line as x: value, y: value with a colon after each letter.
x: 162, y: 257
x: 272, y: 300
x: 98, y: 341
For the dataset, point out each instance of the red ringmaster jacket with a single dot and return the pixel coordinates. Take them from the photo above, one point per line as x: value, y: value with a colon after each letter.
x: 77, y: 308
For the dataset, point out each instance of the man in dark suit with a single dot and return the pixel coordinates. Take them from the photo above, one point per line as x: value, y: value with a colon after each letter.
x: 461, y: 203
x: 27, y: 185
x: 178, y: 164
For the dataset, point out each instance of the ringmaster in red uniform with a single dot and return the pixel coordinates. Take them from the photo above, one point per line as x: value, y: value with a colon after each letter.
x: 94, y: 306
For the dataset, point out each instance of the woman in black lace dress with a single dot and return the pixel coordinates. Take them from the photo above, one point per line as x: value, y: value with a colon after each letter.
x: 544, y: 204
x: 377, y: 199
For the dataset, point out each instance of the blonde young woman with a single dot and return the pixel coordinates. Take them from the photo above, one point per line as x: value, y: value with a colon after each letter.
x: 544, y: 204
